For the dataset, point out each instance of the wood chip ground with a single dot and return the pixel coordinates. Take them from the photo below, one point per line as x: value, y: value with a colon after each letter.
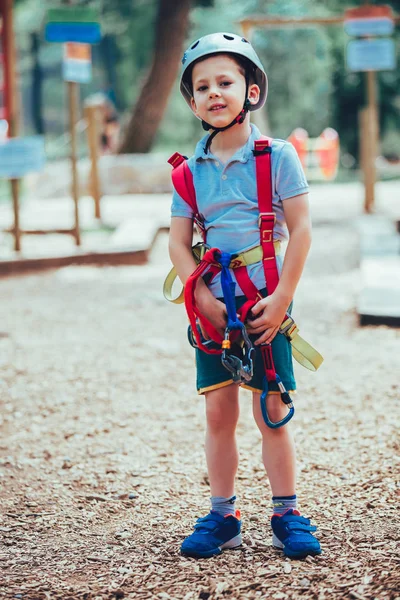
x: 102, y: 469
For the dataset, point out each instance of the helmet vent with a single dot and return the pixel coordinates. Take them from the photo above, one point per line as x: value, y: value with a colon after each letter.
x: 194, y: 45
x: 244, y: 40
x: 228, y: 37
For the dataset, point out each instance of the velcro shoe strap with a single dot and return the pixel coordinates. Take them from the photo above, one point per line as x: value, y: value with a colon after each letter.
x: 206, y: 524
x: 297, y: 526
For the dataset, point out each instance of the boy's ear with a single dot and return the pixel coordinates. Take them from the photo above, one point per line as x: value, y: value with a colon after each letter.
x: 193, y: 105
x: 254, y: 93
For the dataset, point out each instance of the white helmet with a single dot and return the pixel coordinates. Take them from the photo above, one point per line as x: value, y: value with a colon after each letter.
x: 223, y: 43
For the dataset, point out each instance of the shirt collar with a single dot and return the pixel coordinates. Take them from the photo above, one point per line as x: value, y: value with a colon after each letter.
x: 241, y: 155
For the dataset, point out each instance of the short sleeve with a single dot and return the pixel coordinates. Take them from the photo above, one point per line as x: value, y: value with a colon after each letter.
x: 179, y: 207
x: 290, y: 178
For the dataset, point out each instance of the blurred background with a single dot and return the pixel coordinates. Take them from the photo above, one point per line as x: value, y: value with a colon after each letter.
x: 103, y: 132
x: 310, y: 86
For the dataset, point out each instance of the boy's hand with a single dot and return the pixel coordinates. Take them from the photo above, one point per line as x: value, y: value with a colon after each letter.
x: 214, y: 310
x: 269, y: 312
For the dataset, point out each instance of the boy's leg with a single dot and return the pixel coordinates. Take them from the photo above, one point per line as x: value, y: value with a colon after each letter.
x: 278, y: 449
x: 291, y: 531
x: 222, y: 414
x: 220, y: 529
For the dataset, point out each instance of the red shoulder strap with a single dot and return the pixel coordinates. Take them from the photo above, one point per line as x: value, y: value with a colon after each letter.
x: 182, y: 179
x: 262, y: 152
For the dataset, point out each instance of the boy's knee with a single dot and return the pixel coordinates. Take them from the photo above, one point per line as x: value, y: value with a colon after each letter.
x: 221, y: 416
x: 277, y: 411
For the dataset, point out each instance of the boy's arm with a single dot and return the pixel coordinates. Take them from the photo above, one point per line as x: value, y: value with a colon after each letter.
x: 180, y: 251
x: 274, y: 307
x: 180, y: 246
x: 297, y: 216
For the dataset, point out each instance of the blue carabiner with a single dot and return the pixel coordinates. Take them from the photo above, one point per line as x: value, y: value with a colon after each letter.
x: 286, y: 399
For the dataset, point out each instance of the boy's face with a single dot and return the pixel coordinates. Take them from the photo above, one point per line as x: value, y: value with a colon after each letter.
x: 219, y: 88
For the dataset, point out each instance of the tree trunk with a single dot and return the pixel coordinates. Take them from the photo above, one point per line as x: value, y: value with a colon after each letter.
x: 109, y: 57
x: 37, y: 81
x: 172, y: 22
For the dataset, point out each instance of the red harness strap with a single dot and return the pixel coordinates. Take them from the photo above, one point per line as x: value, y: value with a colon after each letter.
x: 183, y: 183
x: 182, y: 179
x: 207, y: 265
x: 266, y: 220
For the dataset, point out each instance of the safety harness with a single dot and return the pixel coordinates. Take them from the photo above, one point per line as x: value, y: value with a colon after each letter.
x: 211, y: 261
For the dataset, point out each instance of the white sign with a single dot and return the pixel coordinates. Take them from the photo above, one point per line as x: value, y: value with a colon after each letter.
x: 369, y: 26
x: 371, y: 55
x: 19, y: 156
x: 77, y: 63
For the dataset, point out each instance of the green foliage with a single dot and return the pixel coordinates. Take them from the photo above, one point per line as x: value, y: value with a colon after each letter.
x: 310, y: 86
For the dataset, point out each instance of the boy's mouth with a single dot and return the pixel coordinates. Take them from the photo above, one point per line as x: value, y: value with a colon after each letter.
x: 217, y: 107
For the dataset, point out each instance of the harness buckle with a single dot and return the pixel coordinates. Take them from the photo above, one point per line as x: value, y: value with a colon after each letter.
x: 267, y: 216
x: 235, y: 263
x: 258, y: 151
x: 288, y: 327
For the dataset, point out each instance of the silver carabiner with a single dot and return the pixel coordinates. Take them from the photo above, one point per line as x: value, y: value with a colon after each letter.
x: 241, y: 369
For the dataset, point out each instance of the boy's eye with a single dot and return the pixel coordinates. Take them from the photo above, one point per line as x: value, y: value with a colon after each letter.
x: 226, y: 83
x: 202, y: 88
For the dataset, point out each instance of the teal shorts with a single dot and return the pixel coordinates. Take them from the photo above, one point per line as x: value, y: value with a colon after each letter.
x: 211, y: 374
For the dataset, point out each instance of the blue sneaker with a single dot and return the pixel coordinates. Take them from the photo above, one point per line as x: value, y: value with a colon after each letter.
x: 212, y: 534
x: 292, y: 534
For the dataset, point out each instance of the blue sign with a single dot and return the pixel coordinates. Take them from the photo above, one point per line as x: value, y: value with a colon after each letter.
x: 86, y: 33
x: 19, y: 156
x: 369, y: 26
x: 371, y: 55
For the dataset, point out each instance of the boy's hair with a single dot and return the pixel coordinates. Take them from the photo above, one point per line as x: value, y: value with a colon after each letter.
x: 246, y: 68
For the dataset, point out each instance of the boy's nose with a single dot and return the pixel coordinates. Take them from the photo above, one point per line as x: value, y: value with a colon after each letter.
x: 213, y: 92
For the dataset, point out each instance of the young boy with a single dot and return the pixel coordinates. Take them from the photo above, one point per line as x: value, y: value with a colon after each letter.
x: 222, y: 80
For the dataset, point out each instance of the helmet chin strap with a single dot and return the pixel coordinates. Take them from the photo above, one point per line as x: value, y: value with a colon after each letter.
x: 239, y: 119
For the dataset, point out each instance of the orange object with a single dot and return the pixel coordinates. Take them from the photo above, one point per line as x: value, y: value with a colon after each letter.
x: 299, y: 139
x: 319, y: 156
x: 327, y: 151
x: 226, y: 344
x: 77, y: 51
x: 368, y: 12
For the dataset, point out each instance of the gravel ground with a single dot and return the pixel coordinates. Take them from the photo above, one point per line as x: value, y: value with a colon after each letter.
x: 101, y: 457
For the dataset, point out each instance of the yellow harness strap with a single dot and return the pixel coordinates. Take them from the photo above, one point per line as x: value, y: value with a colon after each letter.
x: 243, y: 259
x: 305, y: 354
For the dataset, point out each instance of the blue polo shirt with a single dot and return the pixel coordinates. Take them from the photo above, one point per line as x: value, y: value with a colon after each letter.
x: 227, y: 198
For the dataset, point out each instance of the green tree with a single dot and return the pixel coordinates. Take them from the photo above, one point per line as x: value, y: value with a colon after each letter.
x: 172, y: 19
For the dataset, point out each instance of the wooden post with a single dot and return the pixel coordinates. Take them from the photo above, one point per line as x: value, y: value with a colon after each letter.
x: 259, y: 117
x: 246, y: 29
x: 362, y: 138
x: 11, y: 103
x: 371, y: 144
x: 73, y: 106
x: 92, y: 119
